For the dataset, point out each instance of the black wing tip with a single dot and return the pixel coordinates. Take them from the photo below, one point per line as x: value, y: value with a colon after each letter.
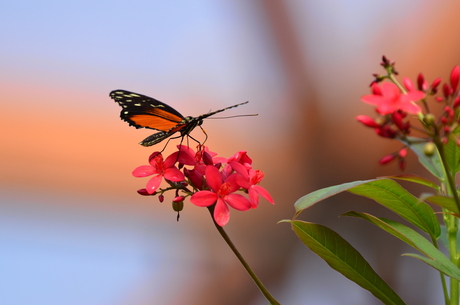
x: 113, y: 92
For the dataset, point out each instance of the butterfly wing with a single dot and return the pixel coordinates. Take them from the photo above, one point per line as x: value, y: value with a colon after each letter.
x: 156, y: 138
x: 142, y: 111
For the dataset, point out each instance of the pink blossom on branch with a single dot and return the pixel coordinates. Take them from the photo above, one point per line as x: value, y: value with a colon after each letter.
x: 391, y: 99
x: 208, y: 180
x: 249, y: 180
x: 222, y: 194
x: 160, y: 169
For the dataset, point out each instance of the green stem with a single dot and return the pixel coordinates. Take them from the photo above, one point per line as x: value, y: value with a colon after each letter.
x: 254, y: 277
x: 443, y: 278
x: 451, y: 221
x: 450, y: 178
x: 452, y: 230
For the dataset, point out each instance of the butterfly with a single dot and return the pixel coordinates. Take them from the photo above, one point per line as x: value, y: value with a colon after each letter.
x: 142, y: 111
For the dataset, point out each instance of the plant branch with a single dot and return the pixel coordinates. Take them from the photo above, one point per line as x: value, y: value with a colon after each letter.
x: 254, y: 277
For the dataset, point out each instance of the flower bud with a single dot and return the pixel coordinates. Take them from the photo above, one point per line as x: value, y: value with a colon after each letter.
x: 408, y: 84
x: 456, y: 102
x: 179, y: 198
x: 398, y: 120
x: 429, y: 119
x: 454, y: 78
x: 161, y: 198
x: 402, y: 164
x: 421, y: 83
x: 385, y: 132
x: 402, y: 152
x: 449, y: 111
x: 376, y: 90
x: 178, y: 205
x: 429, y: 149
x: 207, y: 159
x: 144, y: 192
x: 387, y: 159
x: 447, y: 90
x: 367, y: 121
x: 435, y: 85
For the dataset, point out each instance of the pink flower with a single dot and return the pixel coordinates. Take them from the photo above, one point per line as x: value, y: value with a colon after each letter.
x: 391, y: 99
x: 221, y: 194
x: 249, y: 180
x: 241, y: 157
x: 159, y: 169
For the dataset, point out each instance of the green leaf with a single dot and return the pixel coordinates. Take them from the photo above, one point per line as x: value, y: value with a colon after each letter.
x: 436, y: 258
x: 433, y: 263
x: 452, y: 153
x: 321, y: 194
x: 342, y: 257
x: 445, y: 202
x: 433, y: 163
x: 394, y: 197
x: 417, y: 179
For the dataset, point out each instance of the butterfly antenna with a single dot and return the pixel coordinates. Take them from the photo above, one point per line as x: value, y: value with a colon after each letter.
x: 233, y: 116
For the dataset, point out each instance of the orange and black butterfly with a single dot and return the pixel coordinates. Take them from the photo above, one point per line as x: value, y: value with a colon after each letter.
x: 142, y: 111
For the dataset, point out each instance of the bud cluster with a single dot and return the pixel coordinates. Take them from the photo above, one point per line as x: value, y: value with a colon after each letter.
x: 396, y: 106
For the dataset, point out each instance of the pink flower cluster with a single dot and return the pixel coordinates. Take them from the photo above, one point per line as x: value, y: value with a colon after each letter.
x: 210, y: 181
x: 396, y: 104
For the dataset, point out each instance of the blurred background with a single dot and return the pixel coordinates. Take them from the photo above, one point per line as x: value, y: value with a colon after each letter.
x: 73, y: 230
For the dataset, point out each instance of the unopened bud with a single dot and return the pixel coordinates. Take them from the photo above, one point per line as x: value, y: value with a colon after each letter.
x: 447, y: 90
x: 386, y: 159
x: 429, y: 119
x: 454, y: 78
x: 421, y: 83
x: 456, y: 102
x: 435, y: 85
x: 402, y: 152
x: 429, y: 149
x: 178, y: 205
x: 179, y: 198
x: 408, y: 84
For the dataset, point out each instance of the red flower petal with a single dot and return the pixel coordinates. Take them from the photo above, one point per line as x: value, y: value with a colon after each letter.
x: 153, y: 184
x: 213, y: 178
x: 173, y: 174
x: 239, y: 168
x: 390, y: 91
x: 264, y: 193
x: 203, y: 198
x: 221, y: 213
x: 253, y: 198
x: 144, y: 171
x: 238, y: 202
